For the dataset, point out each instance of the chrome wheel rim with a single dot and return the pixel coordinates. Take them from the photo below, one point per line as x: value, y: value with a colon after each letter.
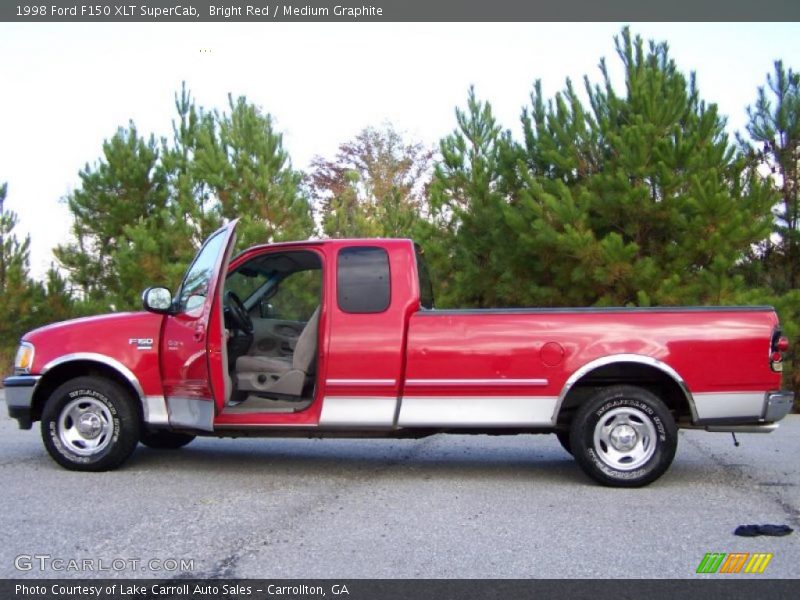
x: 85, y: 426
x: 625, y: 438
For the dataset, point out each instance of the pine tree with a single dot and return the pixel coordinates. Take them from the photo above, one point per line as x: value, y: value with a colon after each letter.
x: 14, y: 255
x: 468, y: 207
x: 774, y: 150
x: 125, y: 187
x: 17, y: 294
x: 240, y: 159
x: 637, y: 199
x: 58, y: 303
x: 191, y: 199
x: 774, y: 128
x: 24, y: 303
x: 142, y: 211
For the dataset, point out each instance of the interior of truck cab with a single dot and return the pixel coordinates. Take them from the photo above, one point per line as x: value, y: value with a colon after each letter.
x: 271, y: 312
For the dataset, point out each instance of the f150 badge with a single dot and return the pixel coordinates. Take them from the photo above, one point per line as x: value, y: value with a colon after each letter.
x: 141, y: 343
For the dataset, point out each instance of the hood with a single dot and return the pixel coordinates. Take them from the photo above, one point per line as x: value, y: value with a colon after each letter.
x: 113, y: 320
x: 127, y: 338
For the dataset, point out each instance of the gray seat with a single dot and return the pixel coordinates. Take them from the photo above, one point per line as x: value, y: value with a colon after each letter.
x: 281, y: 375
x: 261, y: 364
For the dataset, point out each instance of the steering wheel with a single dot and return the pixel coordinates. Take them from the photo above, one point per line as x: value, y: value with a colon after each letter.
x: 238, y: 313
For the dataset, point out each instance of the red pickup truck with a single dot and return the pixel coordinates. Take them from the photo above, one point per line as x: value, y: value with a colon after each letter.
x: 340, y: 338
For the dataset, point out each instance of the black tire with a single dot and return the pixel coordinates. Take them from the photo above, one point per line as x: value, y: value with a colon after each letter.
x: 90, y: 424
x: 165, y: 440
x: 624, y: 436
x: 563, y: 439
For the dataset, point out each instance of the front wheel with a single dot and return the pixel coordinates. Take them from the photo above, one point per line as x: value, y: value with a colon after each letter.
x: 90, y: 424
x: 563, y: 439
x: 624, y: 436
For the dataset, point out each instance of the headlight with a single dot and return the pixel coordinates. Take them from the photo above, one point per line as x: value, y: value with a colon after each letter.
x: 24, y: 360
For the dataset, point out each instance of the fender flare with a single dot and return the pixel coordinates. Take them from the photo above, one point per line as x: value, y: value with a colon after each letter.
x: 154, y: 408
x: 611, y: 359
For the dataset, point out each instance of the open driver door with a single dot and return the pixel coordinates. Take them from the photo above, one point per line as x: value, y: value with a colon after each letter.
x: 192, y: 342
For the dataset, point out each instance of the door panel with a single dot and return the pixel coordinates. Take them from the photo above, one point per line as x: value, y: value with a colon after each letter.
x: 366, y: 348
x: 186, y: 372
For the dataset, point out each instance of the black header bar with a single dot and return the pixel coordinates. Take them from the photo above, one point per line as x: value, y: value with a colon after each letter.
x: 268, y: 11
x: 731, y: 588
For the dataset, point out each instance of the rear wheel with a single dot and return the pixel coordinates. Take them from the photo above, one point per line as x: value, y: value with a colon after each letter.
x: 90, y: 424
x: 165, y: 440
x: 624, y: 436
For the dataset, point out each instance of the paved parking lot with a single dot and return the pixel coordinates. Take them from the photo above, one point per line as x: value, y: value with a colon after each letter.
x: 441, y: 507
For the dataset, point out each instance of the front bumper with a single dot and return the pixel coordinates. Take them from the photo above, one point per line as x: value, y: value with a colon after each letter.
x: 19, y: 398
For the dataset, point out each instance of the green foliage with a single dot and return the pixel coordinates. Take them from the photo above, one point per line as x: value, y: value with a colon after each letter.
x: 634, y: 199
x: 240, y: 160
x: 142, y: 211
x: 123, y: 192
x: 637, y: 199
x: 24, y: 304
x: 773, y: 152
x: 17, y: 294
x: 298, y: 296
x: 774, y: 129
x: 788, y: 307
x: 468, y: 206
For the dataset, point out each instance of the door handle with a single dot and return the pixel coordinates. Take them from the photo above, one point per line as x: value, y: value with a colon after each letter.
x: 199, y: 333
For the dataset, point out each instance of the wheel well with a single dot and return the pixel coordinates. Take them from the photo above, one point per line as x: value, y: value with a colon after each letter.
x: 79, y: 368
x: 651, y: 378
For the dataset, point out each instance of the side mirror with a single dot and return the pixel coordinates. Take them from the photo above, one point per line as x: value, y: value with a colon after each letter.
x: 157, y: 300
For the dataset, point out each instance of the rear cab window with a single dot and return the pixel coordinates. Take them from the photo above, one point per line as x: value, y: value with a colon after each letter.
x: 363, y: 280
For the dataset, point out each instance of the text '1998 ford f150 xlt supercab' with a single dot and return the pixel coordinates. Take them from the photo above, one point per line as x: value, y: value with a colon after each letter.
x: 339, y: 338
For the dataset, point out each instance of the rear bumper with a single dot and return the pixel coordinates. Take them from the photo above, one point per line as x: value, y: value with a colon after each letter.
x: 777, y: 405
x: 19, y: 398
x: 743, y: 412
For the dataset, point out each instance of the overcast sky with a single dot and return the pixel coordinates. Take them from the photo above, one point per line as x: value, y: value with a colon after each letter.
x: 67, y: 87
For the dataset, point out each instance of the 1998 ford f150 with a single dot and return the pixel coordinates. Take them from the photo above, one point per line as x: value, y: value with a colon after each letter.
x: 340, y: 338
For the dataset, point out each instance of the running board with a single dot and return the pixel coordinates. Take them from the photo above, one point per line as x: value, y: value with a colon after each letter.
x: 763, y: 428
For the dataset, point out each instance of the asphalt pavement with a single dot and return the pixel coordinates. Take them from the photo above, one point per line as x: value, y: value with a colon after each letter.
x: 441, y: 507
